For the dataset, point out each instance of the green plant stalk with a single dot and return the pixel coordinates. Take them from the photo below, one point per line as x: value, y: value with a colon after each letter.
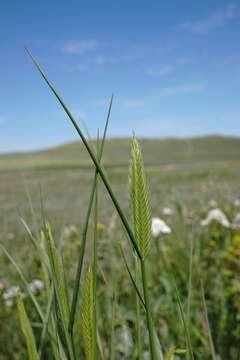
x: 46, y: 323
x: 111, y: 356
x: 85, y: 228
x: 81, y: 257
x: 213, y: 353
x: 190, y: 283
x: 138, y: 314
x: 134, y: 283
x: 95, y: 235
x: 93, y: 157
x: 185, y: 325
x: 148, y: 311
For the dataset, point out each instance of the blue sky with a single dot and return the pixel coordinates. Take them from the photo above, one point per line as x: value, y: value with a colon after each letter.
x: 174, y: 67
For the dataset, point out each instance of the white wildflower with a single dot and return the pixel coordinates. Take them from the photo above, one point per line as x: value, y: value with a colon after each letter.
x: 167, y: 211
x: 8, y: 303
x: 236, y: 203
x: 217, y: 215
x: 11, y: 292
x: 236, y: 221
x: 159, y: 226
x: 212, y: 203
x: 36, y: 286
x: 124, y: 342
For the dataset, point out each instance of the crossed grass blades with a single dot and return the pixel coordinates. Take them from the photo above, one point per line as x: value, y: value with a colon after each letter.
x: 64, y: 320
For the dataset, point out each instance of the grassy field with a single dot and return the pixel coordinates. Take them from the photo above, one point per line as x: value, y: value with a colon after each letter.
x: 184, y: 175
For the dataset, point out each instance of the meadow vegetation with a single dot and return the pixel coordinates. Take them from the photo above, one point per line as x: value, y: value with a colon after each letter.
x: 83, y: 274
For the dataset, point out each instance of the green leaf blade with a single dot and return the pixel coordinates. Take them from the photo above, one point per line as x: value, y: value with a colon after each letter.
x: 27, y: 329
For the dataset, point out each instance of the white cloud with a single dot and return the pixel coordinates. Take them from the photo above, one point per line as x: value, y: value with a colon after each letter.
x: 182, y: 89
x: 80, y: 47
x: 161, y: 71
x: 166, y: 69
x: 142, y: 101
x: 217, y: 19
x: 112, y: 52
x: 163, y: 126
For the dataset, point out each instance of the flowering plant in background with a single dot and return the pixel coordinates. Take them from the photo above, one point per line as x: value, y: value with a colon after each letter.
x: 167, y: 211
x: 159, y: 226
x: 212, y: 203
x: 218, y: 216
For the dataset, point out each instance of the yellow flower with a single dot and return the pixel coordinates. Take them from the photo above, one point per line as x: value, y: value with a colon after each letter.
x: 150, y: 285
x: 236, y: 240
x: 206, y: 252
x: 100, y: 228
x: 212, y: 243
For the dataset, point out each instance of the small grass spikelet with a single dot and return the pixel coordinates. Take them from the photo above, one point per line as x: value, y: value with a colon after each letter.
x: 87, y: 317
x: 140, y: 201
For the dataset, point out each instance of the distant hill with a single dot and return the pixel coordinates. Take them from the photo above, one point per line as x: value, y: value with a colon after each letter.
x: 157, y: 152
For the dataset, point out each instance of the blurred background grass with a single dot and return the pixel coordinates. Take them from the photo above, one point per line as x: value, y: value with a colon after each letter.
x: 183, y: 175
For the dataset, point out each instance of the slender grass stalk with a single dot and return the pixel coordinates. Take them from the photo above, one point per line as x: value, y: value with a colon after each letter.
x: 190, y: 283
x: 212, y: 348
x: 138, y: 314
x: 93, y: 157
x: 46, y: 323
x: 85, y: 228
x: 95, y: 235
x: 185, y: 325
x: 148, y: 312
x: 33, y: 214
x: 134, y: 283
x: 111, y: 356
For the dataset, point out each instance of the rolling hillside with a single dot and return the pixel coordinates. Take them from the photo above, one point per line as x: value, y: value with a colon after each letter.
x: 202, y: 150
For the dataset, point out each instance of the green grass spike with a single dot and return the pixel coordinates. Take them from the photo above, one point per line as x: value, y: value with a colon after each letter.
x: 87, y: 315
x: 140, y: 201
